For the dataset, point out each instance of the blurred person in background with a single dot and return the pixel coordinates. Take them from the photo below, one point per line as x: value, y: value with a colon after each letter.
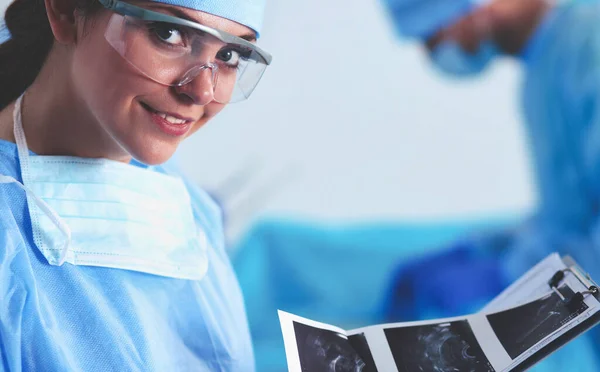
x: 558, y: 47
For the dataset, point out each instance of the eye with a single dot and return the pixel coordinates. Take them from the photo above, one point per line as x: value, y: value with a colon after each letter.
x: 231, y: 57
x: 168, y: 33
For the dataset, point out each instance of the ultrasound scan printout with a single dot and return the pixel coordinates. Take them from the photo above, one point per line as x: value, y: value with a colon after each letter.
x: 522, y: 320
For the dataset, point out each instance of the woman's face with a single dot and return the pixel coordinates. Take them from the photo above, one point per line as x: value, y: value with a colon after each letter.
x: 146, y: 119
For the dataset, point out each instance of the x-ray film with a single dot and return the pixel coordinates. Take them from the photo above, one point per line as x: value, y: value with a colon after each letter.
x: 525, y: 323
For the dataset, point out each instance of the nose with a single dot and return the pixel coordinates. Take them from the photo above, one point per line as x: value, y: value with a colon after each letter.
x: 201, y: 89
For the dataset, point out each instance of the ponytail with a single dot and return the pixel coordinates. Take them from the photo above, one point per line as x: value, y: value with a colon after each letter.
x: 23, y: 55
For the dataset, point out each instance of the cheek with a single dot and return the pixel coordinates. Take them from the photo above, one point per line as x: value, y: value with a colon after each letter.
x: 210, y: 111
x: 95, y: 74
x: 105, y: 81
x: 98, y: 73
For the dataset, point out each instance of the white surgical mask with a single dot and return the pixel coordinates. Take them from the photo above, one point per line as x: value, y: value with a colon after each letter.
x: 452, y: 59
x: 98, y: 212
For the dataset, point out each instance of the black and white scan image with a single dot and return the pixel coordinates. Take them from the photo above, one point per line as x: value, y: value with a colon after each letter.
x: 520, y: 328
x: 322, y: 350
x: 359, y: 343
x: 443, y: 347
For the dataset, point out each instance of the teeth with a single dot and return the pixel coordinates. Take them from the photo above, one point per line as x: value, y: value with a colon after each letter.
x: 171, y: 119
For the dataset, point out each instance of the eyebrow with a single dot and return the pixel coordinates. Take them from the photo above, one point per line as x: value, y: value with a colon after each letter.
x: 180, y: 14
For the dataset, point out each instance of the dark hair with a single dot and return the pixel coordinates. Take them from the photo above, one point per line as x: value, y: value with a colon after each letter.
x: 22, y: 57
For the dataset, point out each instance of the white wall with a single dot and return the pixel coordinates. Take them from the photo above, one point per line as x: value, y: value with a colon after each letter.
x: 364, y: 126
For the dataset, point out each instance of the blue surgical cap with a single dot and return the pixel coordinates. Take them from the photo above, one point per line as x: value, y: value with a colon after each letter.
x: 246, y: 12
x: 4, y: 33
x: 422, y: 18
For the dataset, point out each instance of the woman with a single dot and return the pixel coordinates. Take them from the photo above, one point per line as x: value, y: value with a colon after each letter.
x: 108, y: 261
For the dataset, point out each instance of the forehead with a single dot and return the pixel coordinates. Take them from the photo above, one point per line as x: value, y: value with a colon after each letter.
x: 206, y: 19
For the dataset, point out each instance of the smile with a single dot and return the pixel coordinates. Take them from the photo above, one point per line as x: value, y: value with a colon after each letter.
x: 171, y: 118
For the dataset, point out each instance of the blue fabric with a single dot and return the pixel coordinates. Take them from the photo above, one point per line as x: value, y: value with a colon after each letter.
x: 561, y: 105
x: 80, y: 318
x: 421, y: 19
x: 4, y: 33
x: 246, y: 12
x: 453, y: 282
x: 249, y: 13
x: 331, y: 273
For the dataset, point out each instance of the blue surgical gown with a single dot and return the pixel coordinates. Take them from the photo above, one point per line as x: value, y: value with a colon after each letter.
x: 561, y: 106
x: 82, y: 318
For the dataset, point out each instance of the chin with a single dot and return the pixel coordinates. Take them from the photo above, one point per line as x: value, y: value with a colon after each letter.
x: 149, y: 157
x: 153, y: 161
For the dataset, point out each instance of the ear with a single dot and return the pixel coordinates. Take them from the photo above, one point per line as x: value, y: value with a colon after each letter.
x: 61, y: 15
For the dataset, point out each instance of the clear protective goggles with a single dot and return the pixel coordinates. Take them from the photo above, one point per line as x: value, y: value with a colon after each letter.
x: 174, y: 51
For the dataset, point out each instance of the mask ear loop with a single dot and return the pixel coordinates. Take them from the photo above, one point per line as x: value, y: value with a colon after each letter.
x: 23, y: 152
x: 56, y: 220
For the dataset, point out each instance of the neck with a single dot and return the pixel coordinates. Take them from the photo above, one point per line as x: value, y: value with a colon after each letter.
x: 57, y: 120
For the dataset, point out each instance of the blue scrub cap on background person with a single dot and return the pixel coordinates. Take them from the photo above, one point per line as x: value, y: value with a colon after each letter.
x: 246, y: 12
x: 422, y: 18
